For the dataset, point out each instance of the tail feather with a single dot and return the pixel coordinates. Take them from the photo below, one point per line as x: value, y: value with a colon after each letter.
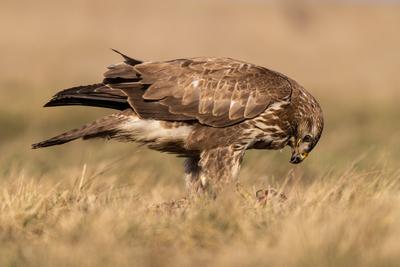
x: 106, y: 127
x: 97, y: 95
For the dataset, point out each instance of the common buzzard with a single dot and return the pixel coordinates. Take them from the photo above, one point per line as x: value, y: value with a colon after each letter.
x: 208, y: 110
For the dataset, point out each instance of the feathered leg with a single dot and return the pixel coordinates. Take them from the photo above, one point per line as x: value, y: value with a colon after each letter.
x: 215, y: 169
x: 192, y: 176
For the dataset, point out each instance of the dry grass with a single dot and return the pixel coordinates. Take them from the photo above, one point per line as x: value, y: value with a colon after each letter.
x: 341, y: 219
x: 93, y: 203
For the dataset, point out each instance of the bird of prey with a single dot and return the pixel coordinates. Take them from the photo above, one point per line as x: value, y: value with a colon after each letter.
x: 208, y: 110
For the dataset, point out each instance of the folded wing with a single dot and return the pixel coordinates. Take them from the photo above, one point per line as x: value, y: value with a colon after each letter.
x: 217, y: 92
x: 213, y: 91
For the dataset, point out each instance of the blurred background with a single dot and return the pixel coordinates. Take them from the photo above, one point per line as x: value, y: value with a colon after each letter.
x: 346, y: 53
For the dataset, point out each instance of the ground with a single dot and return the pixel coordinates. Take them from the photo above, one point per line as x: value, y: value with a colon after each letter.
x: 95, y: 203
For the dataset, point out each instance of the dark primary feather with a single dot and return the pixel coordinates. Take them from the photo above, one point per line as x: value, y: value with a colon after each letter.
x: 97, y: 95
x: 100, y: 95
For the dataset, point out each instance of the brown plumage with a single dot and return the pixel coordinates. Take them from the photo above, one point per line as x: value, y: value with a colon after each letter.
x: 209, y: 110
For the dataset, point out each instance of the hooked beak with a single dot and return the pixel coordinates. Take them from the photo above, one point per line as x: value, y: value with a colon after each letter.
x: 297, y: 158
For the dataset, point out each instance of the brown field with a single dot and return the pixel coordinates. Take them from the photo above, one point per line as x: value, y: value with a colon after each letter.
x: 93, y: 203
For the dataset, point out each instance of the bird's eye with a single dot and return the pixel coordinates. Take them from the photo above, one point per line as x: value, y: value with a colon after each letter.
x: 307, y: 138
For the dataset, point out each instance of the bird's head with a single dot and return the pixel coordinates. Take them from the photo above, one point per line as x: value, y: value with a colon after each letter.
x: 306, y: 135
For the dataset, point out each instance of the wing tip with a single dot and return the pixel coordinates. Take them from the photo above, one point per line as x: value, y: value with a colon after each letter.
x: 57, y: 101
x: 49, y: 103
x: 127, y: 59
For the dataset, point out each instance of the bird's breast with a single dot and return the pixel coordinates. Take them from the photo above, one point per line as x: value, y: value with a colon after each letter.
x: 271, y: 130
